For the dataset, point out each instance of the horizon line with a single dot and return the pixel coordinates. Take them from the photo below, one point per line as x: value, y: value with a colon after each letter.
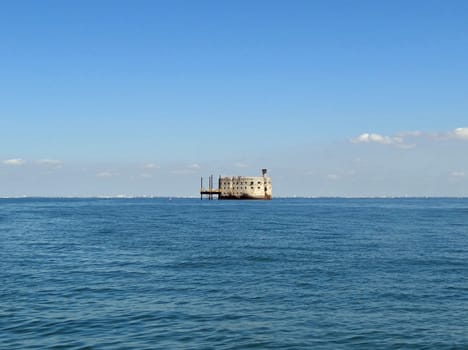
x: 197, y: 197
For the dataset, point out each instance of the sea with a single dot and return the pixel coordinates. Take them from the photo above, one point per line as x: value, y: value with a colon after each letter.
x: 162, y: 273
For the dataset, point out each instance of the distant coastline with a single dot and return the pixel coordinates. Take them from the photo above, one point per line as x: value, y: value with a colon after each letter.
x: 198, y: 198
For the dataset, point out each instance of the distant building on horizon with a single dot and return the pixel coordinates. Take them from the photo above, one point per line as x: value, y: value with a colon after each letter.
x: 239, y: 187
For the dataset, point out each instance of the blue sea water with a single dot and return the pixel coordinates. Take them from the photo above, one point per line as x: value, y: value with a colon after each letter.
x: 191, y: 274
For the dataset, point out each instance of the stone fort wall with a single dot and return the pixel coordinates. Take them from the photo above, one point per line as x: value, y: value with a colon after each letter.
x: 245, y: 187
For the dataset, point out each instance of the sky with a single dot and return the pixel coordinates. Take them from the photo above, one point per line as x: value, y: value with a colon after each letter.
x: 334, y: 97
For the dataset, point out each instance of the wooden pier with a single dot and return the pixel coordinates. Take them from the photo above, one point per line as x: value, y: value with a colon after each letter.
x: 210, y: 192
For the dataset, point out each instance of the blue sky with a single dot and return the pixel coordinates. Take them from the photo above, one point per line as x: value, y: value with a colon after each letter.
x: 336, y: 98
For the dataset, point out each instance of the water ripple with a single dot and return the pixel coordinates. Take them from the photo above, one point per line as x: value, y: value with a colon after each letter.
x: 283, y: 274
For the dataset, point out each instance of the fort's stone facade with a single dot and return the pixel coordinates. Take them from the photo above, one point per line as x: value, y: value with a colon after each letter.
x: 245, y: 187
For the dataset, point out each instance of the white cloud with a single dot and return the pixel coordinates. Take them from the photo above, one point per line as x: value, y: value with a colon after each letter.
x: 106, y: 174
x: 461, y: 133
x: 15, y: 161
x: 402, y: 139
x: 458, y: 174
x: 377, y: 138
x: 152, y: 166
x: 194, y: 166
x: 332, y: 177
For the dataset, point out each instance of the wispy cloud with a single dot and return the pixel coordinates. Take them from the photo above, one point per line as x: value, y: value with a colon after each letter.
x: 241, y: 165
x: 412, y: 133
x: 333, y: 177
x: 407, y: 139
x: 50, y: 162
x: 458, y: 174
x: 457, y: 177
x: 152, y: 166
x: 15, y: 161
x: 189, y: 169
x: 146, y: 176
x: 105, y: 174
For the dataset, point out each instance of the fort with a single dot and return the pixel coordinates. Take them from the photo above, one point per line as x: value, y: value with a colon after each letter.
x: 239, y: 187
